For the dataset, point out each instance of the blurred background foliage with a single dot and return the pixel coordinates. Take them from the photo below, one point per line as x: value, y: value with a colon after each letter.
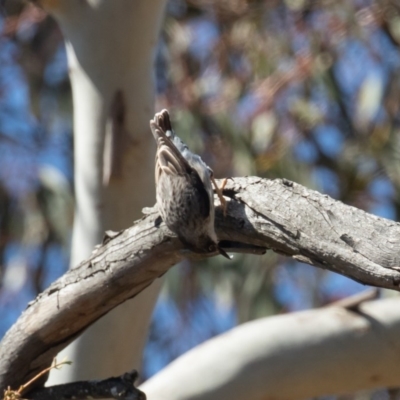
x: 303, y: 89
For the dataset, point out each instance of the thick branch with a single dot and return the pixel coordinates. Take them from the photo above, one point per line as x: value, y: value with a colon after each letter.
x: 282, y: 215
x: 315, y: 229
x: 290, y: 357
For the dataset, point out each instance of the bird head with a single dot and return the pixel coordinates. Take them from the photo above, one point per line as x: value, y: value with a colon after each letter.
x: 205, y: 244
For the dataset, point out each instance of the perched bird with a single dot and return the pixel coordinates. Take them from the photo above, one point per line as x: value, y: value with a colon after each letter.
x: 185, y: 196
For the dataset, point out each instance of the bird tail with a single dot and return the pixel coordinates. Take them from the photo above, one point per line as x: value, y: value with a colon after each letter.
x: 161, y: 124
x: 169, y: 159
x: 163, y: 120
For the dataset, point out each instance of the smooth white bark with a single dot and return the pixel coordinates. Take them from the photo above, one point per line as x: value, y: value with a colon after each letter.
x: 110, y: 47
x: 292, y: 356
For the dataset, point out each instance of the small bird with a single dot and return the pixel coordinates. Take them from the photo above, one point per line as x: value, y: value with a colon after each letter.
x: 184, y: 190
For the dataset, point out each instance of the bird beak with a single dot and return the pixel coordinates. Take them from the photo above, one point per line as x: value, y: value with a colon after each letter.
x: 224, y: 253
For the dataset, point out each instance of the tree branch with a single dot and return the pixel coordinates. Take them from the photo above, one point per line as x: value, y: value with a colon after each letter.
x: 278, y: 214
x: 290, y: 357
x: 119, y: 388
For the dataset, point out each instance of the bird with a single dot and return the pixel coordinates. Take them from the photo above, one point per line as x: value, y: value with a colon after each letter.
x: 184, y: 192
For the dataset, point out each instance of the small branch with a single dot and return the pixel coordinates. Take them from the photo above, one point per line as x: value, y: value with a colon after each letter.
x: 55, y: 365
x: 120, y: 388
x: 353, y: 302
x: 278, y: 215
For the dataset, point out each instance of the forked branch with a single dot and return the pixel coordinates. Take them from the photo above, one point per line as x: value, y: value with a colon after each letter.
x: 280, y: 215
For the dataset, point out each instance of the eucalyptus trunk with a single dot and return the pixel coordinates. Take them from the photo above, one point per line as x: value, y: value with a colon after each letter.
x: 110, y: 47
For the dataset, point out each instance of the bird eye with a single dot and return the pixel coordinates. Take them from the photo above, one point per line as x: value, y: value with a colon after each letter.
x: 211, y: 248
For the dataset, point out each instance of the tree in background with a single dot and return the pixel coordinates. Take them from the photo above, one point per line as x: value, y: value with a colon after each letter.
x: 306, y: 91
x: 113, y: 96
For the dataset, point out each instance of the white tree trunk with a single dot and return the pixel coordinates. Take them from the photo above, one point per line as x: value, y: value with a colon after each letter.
x: 110, y: 47
x: 292, y: 356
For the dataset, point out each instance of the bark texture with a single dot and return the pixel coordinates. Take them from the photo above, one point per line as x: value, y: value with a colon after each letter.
x: 278, y: 214
x: 315, y: 229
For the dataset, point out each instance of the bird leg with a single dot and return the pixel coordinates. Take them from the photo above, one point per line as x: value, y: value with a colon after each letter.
x: 219, y: 190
